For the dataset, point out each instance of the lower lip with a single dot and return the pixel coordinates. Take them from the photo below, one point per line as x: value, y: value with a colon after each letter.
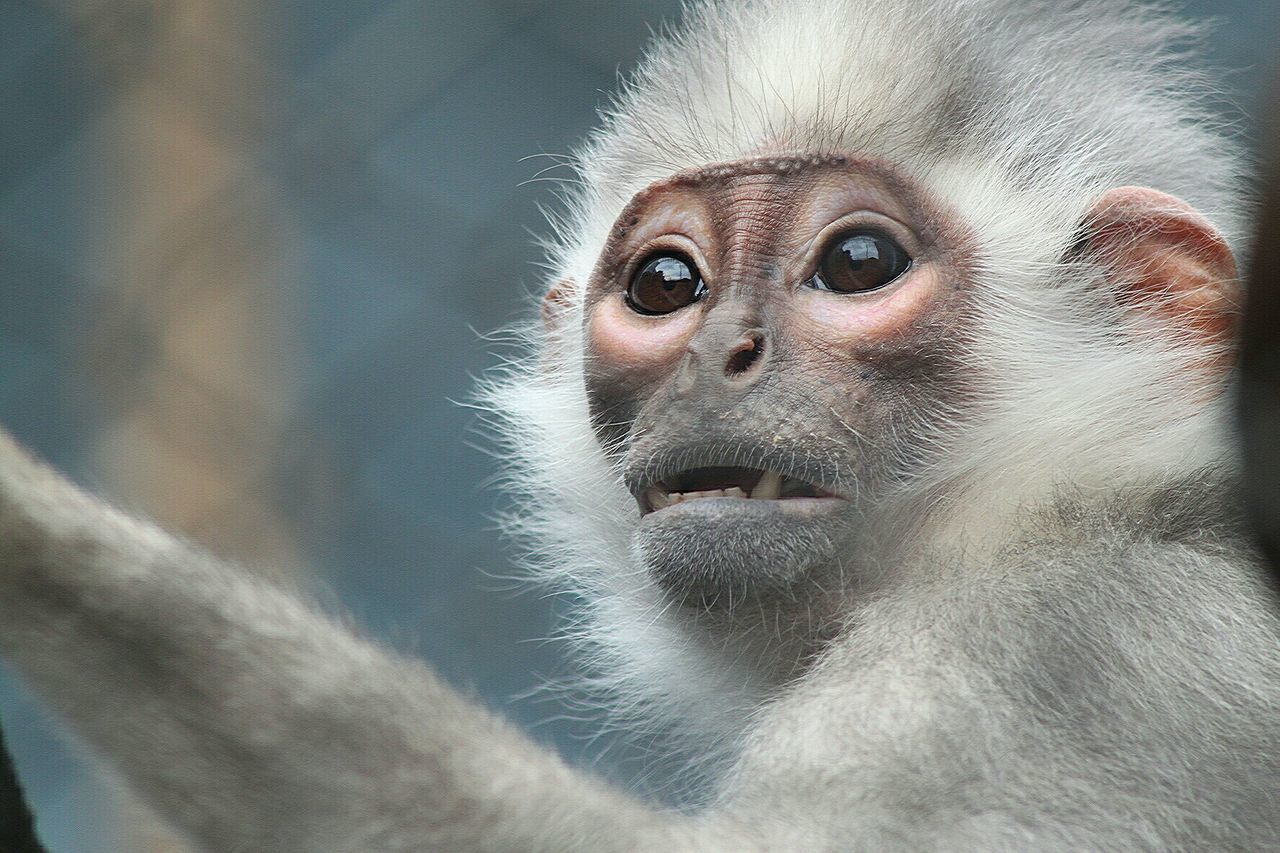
x: 799, y: 505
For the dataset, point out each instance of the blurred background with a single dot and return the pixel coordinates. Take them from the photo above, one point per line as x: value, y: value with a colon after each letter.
x: 248, y: 251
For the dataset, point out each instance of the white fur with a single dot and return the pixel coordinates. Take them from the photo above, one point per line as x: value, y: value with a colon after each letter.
x: 1076, y: 649
x: 1060, y: 102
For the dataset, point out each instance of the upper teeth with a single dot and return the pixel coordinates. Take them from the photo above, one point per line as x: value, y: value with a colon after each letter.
x: 769, y: 487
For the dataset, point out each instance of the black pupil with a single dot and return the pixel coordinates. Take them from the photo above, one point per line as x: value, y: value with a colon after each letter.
x: 663, y: 285
x: 861, y: 262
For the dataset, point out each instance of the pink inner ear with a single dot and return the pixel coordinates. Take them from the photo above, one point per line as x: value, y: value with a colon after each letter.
x: 1169, y: 258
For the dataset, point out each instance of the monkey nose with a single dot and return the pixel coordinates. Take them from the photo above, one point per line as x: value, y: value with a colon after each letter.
x: 719, y: 362
x: 746, y: 357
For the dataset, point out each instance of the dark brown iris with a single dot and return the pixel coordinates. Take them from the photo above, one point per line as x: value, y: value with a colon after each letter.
x: 859, y: 261
x: 663, y: 284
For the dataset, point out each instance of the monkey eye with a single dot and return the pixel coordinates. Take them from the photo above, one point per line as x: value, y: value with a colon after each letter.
x: 665, y: 283
x: 858, y: 261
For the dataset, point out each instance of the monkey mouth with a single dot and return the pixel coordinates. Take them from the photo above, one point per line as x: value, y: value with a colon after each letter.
x: 699, y: 484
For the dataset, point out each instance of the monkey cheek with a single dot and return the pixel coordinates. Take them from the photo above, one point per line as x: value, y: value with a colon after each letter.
x: 721, y: 556
x: 629, y: 343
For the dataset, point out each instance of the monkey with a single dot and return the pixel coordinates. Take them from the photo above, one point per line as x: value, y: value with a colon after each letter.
x: 879, y: 414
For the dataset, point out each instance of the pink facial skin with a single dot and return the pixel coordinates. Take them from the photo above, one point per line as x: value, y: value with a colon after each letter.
x: 756, y: 230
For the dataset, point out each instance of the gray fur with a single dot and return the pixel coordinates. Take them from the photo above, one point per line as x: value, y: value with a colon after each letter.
x: 251, y: 722
x: 1058, y: 637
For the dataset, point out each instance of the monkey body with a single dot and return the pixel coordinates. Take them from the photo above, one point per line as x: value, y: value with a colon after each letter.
x: 878, y: 416
x: 1085, y: 676
x: 1030, y: 702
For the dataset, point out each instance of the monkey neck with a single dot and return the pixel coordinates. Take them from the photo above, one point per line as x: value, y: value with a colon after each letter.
x: 979, y: 495
x: 973, y: 529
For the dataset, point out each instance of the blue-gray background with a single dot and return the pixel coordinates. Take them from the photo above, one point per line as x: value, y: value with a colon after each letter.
x: 385, y: 140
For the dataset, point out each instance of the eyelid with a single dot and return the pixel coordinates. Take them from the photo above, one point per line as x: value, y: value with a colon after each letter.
x: 858, y: 220
x: 664, y: 244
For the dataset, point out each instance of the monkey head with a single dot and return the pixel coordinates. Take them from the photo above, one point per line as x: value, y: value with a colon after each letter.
x: 763, y: 340
x: 771, y: 344
x: 827, y: 312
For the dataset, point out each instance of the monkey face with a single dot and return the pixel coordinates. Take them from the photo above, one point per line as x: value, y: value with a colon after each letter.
x: 765, y: 343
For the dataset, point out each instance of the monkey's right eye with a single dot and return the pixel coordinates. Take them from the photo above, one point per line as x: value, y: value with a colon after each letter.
x: 858, y: 261
x: 665, y: 283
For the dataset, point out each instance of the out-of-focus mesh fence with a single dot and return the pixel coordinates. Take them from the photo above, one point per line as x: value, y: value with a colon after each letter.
x: 244, y: 249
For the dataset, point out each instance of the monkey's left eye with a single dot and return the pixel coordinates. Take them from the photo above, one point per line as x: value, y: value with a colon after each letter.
x: 858, y: 261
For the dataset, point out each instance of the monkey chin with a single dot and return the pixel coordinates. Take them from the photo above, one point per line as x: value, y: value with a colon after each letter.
x: 718, y: 552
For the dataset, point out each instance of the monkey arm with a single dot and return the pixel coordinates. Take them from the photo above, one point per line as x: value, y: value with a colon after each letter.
x: 250, y: 721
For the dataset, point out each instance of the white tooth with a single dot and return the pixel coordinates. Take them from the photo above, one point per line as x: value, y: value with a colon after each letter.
x: 734, y: 492
x: 769, y: 487
x: 657, y: 498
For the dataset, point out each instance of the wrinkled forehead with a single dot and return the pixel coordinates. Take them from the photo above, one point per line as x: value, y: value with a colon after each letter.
x: 973, y: 201
x: 779, y: 191
x: 789, y: 169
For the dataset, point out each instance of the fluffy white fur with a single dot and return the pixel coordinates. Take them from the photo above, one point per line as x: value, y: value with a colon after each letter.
x: 1018, y: 115
x: 1074, y: 649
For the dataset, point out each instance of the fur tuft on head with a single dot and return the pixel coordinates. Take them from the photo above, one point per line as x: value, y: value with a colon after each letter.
x: 1018, y: 115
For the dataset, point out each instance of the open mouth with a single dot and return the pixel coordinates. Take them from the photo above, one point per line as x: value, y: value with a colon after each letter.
x: 721, y: 482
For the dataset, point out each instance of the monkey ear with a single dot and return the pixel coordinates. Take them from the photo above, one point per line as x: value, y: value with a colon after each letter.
x: 1168, y: 260
x: 557, y: 303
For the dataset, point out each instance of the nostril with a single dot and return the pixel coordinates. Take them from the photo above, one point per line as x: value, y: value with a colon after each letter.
x: 744, y: 355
